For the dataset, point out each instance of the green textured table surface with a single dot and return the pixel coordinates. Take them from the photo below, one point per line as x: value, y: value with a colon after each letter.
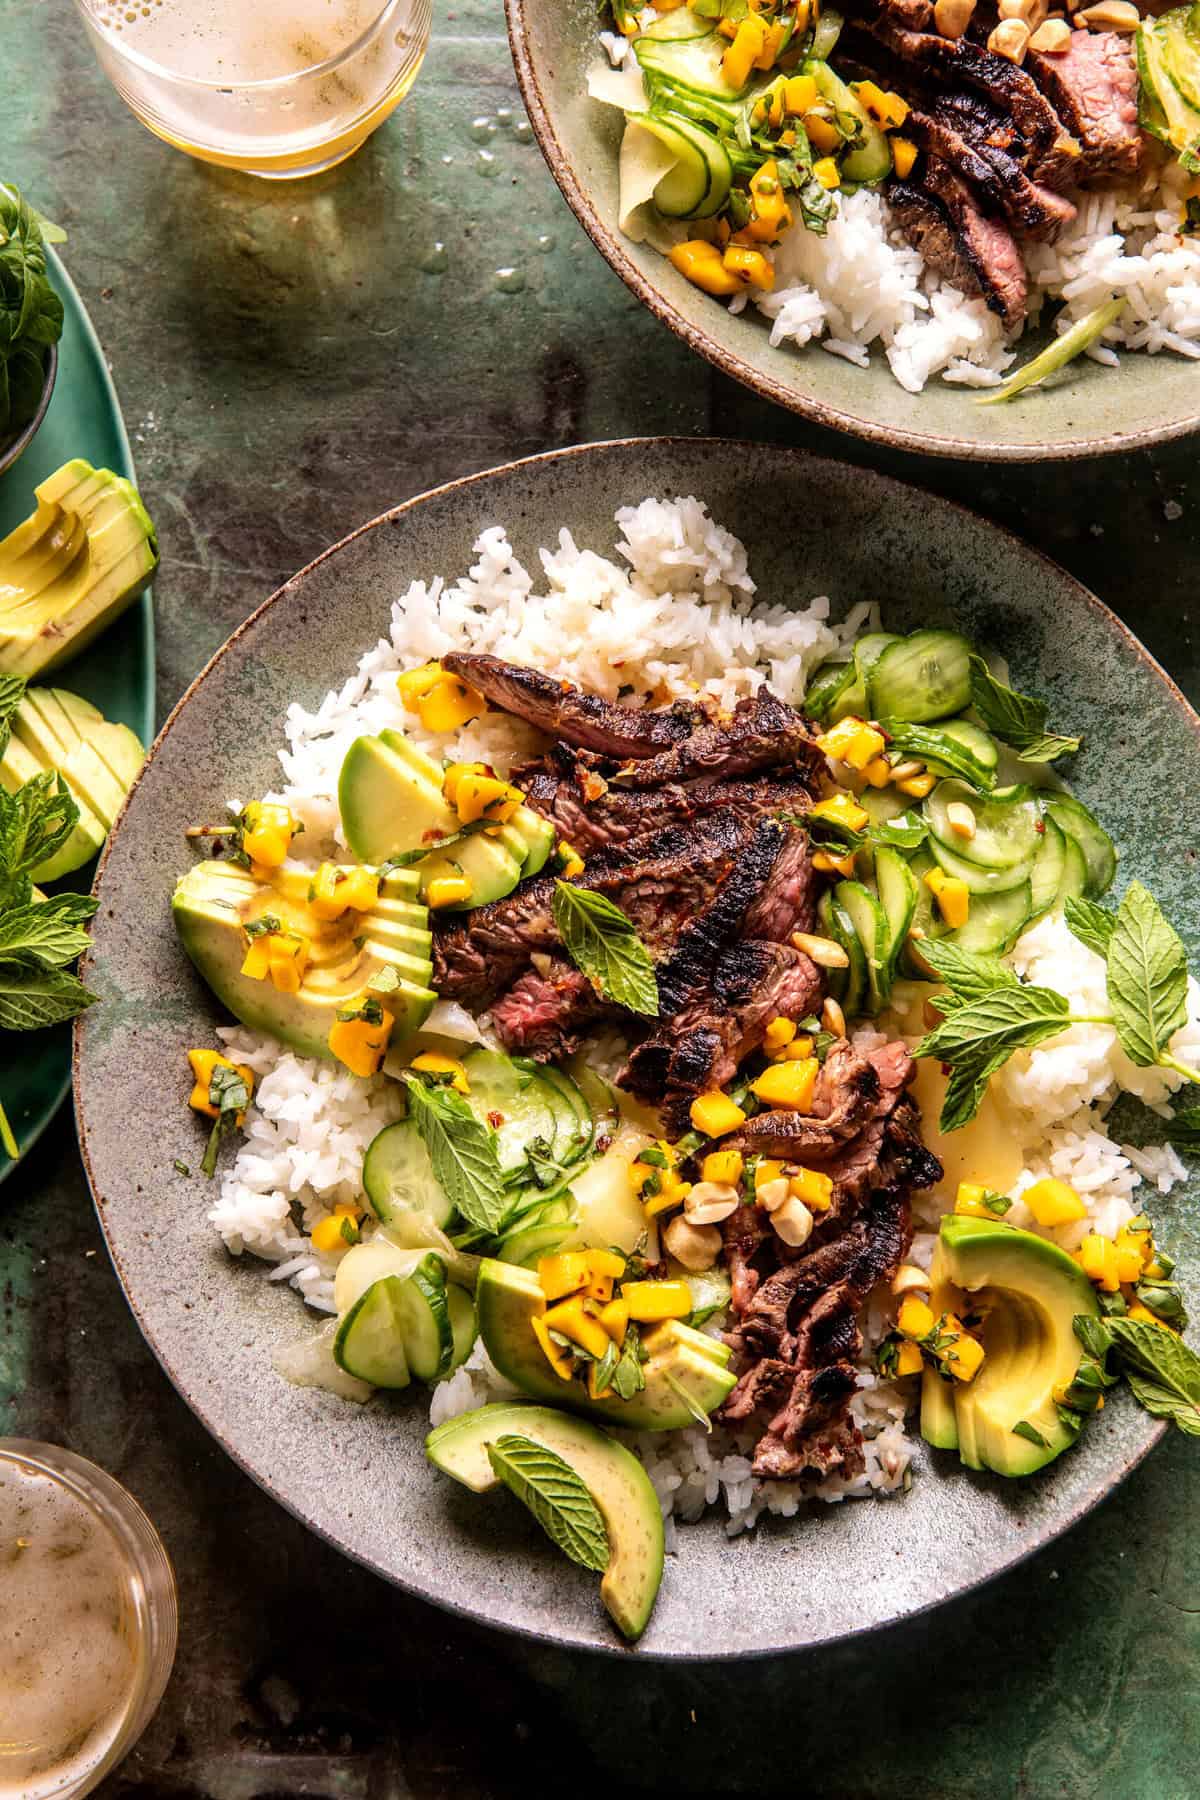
x: 292, y: 360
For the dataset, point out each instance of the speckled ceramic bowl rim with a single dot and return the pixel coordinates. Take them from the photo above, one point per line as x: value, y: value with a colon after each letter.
x: 730, y: 363
x: 17, y: 446
x: 1100, y: 1490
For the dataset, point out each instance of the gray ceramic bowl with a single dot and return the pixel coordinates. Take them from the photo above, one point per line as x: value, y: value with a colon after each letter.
x: 1094, y: 411
x: 14, y: 447
x: 356, y: 1475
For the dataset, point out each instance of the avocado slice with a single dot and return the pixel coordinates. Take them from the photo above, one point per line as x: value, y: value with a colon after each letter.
x: 72, y: 566
x: 613, y: 1476
x: 214, y: 902
x: 1030, y: 1293
x: 53, y: 721
x: 19, y: 765
x: 390, y: 798
x: 507, y: 1298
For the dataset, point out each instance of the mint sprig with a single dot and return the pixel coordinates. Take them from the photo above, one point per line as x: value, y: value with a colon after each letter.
x: 602, y: 941
x: 462, y: 1152
x: 556, y: 1495
x: 1018, y: 720
x: 1147, y: 977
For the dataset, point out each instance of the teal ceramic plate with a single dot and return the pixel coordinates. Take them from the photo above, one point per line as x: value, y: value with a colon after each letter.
x: 116, y: 673
x: 357, y: 1475
x: 1092, y: 412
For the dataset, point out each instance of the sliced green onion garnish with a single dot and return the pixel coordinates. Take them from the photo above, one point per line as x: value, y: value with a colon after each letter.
x: 1058, y: 354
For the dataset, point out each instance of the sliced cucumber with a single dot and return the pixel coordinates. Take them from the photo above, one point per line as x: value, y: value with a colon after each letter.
x: 682, y: 23
x: 866, y: 916
x: 924, y: 920
x: 397, y: 1176
x: 882, y: 804
x: 600, y: 1101
x: 698, y: 185
x: 978, y: 879
x: 424, y: 1317
x: 1099, y: 852
x: 463, y: 1325
x: 1046, y: 875
x: 898, y: 902
x: 525, y: 1247
x: 573, y: 1136
x: 827, y: 686
x: 869, y: 159
x: 1006, y: 823
x: 995, y: 921
x: 868, y: 649
x: 369, y: 1341
x: 849, y: 985
x: 826, y: 33
x: 691, y: 63
x: 926, y: 675
x: 509, y: 1090
x: 1074, y: 883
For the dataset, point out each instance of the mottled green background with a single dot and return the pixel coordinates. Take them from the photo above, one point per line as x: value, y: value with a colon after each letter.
x: 291, y: 361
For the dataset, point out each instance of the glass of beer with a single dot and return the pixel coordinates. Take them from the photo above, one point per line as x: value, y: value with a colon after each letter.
x: 87, y: 1622
x: 280, y: 88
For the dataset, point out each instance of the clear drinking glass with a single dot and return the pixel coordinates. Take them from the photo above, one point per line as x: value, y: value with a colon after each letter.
x: 88, y: 1622
x: 280, y: 88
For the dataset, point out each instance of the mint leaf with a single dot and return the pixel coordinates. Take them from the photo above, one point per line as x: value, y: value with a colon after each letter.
x: 405, y: 859
x: 556, y: 1495
x: 46, y: 933
x: 229, y: 1092
x: 462, y: 1152
x: 1023, y: 1429
x: 979, y: 1036
x: 1093, y: 925
x: 1018, y: 720
x: 907, y: 831
x: 601, y: 941
x: 969, y: 974
x: 12, y: 687
x: 1163, y: 1372
x: 34, y: 822
x: 1147, y: 977
x: 31, y: 998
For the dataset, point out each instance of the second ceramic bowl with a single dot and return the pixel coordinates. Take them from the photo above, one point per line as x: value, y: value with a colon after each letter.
x: 1093, y: 412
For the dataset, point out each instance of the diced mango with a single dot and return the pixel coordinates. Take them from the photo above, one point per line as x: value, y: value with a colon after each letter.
x: 256, y: 963
x: 360, y: 1039
x: 799, y: 94
x: 770, y: 214
x: 570, y: 861
x: 909, y: 1360
x: 571, y: 1319
x: 970, y: 1200
x: 915, y: 1319
x: 1138, y: 1311
x: 779, y: 1031
x: 766, y: 1170
x: 749, y: 266
x: 563, y: 1274
x: 788, y: 1084
x: 1097, y: 1257
x: 486, y: 797
x: 447, y: 890
x: 829, y: 864
x: 815, y: 1189
x: 267, y: 832
x: 1053, y: 1202
x: 559, y: 1361
x: 450, y: 705
x: 743, y: 53
x: 432, y: 1062
x: 725, y: 1167
x: 650, y: 1301
x: 615, y: 1319
x: 904, y: 155
x: 414, y: 683
x: 323, y: 895
x: 917, y: 787
x: 700, y: 262
x: 964, y: 1356
x: 852, y: 741
x: 289, y: 953
x: 714, y: 1114
x: 203, y: 1063
x: 454, y: 773
x: 358, y: 889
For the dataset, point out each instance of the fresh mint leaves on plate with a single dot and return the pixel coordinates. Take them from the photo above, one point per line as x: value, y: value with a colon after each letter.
x: 462, y: 1152
x: 557, y: 1497
x: 1017, y: 720
x: 602, y: 941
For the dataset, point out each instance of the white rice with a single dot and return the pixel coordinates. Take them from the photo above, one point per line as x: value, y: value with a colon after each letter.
x: 863, y: 284
x: 672, y: 613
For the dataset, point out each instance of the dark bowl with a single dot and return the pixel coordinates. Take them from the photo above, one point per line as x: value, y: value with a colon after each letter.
x: 1093, y: 411
x: 13, y: 447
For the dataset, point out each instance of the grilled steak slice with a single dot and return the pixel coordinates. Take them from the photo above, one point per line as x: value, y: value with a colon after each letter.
x: 1094, y: 86
x: 848, y: 1093
x: 835, y: 1447
x: 671, y: 877
x: 942, y: 220
x: 558, y: 789
x: 995, y: 176
x: 545, y: 1011
x: 761, y: 733
x: 569, y: 713
x: 701, y: 1046
x: 954, y: 62
x: 788, y: 901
